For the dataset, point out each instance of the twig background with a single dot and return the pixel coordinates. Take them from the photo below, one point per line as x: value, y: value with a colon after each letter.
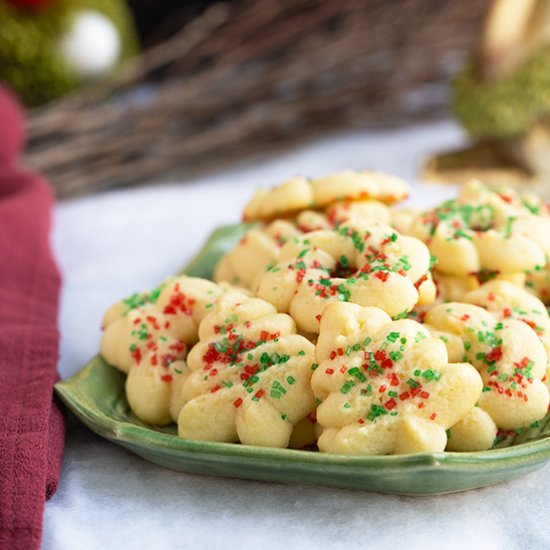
x: 247, y: 76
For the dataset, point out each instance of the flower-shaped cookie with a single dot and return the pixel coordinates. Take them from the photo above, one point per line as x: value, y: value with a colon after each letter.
x: 250, y: 379
x: 370, y: 264
x: 509, y: 301
x: 175, y: 310
x: 509, y: 356
x: 386, y: 387
x: 148, y: 335
x: 483, y: 230
x: 256, y: 250
x: 300, y: 193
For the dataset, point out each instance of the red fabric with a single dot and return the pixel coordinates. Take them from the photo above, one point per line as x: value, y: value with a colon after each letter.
x: 11, y: 127
x: 31, y: 425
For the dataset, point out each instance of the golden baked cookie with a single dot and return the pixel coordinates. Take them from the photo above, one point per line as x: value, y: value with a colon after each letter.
x: 255, y: 251
x: 509, y: 355
x: 370, y: 264
x: 148, y: 336
x: 299, y: 193
x: 250, y: 379
x: 259, y: 248
x: 386, y: 387
x: 452, y: 288
x: 482, y: 230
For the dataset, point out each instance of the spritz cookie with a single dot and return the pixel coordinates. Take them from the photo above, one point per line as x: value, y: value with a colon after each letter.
x: 256, y: 250
x: 370, y: 264
x: 299, y: 193
x: 259, y: 248
x: 148, y: 336
x: 250, y: 379
x: 480, y: 231
x: 386, y: 387
x: 509, y: 355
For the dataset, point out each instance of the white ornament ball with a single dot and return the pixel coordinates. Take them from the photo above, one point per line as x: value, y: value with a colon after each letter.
x: 92, y: 44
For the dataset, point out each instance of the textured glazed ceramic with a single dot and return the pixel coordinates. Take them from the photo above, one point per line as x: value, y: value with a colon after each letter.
x: 96, y: 396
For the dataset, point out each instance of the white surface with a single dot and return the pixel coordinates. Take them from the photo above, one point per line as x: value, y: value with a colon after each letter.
x: 111, y: 245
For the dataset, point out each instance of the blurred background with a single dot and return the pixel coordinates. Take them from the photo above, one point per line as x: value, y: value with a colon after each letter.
x: 122, y: 92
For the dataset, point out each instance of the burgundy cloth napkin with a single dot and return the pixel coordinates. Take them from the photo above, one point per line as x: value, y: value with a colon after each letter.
x: 32, y: 427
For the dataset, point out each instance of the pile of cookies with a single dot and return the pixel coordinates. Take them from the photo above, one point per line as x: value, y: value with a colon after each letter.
x: 345, y: 323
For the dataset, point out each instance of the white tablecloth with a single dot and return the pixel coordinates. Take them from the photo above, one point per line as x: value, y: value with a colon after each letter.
x: 110, y: 245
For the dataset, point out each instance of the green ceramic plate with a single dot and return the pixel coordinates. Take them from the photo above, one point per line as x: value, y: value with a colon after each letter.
x: 96, y: 396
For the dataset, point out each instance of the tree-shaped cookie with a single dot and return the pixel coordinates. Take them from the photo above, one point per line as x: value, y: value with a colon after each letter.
x: 386, y: 387
x: 250, y: 379
x: 370, y: 264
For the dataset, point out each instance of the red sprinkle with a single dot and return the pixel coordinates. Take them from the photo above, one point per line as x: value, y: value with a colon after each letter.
x: 382, y: 275
x: 390, y: 404
x: 494, y: 355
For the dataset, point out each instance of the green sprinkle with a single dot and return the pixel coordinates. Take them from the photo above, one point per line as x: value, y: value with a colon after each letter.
x: 347, y: 386
x: 431, y: 375
x: 375, y: 412
x: 357, y: 374
x: 393, y: 336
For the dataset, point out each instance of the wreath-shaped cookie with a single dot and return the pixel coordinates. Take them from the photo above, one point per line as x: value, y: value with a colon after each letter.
x: 482, y: 230
x: 299, y: 193
x: 250, y: 379
x: 370, y: 264
x: 386, y: 387
x: 259, y: 248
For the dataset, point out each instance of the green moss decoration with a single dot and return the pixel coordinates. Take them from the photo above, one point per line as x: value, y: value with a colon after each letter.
x: 29, y: 60
x: 508, y: 107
